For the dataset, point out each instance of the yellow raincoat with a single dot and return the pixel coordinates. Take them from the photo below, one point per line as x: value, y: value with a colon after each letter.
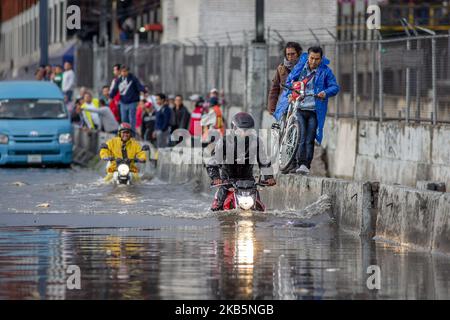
x: 133, y: 148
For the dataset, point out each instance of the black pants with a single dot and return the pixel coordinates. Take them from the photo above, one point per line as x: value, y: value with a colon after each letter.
x: 308, y: 128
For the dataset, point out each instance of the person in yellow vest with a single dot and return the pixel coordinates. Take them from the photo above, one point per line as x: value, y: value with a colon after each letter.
x: 122, y: 147
x: 92, y: 120
x: 213, y: 120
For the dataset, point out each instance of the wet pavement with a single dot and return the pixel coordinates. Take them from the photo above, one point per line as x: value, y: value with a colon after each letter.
x: 159, y: 241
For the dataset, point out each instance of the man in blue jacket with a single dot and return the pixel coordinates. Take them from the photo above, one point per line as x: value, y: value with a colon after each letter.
x: 162, y: 121
x: 130, y: 89
x: 312, y: 69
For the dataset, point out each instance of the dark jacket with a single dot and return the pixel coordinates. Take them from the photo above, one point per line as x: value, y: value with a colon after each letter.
x: 129, y: 89
x: 181, y: 118
x: 280, y: 78
x: 163, y: 118
x: 234, y: 160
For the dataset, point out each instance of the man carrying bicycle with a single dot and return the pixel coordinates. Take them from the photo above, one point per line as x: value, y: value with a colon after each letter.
x: 319, y: 84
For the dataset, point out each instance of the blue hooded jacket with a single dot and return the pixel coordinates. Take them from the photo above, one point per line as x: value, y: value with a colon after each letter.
x: 323, y: 81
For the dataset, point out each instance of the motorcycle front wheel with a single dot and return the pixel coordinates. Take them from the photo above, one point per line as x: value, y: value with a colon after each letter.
x: 289, y: 146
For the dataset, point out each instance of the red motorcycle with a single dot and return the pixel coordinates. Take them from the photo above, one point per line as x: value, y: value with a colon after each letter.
x: 242, y: 194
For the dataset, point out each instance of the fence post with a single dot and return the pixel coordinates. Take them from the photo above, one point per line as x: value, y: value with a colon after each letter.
x: 355, y: 81
x: 257, y: 82
x: 418, y: 84
x: 205, y: 64
x: 230, y: 76
x: 374, y: 70
x: 434, y: 74
x: 408, y: 89
x: 183, y: 70
x: 135, y: 54
x: 107, y: 58
x: 96, y: 65
x: 380, y: 79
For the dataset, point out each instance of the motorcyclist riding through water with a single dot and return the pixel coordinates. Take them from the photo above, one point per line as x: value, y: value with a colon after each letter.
x: 122, y: 148
x: 234, y: 156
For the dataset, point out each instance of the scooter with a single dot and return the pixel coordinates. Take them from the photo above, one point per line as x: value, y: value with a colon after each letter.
x: 242, y: 194
x: 122, y: 175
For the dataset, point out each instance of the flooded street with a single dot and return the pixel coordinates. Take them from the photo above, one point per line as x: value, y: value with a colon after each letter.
x: 160, y: 241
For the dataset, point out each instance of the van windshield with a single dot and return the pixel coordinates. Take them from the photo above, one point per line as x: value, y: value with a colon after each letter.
x: 25, y: 109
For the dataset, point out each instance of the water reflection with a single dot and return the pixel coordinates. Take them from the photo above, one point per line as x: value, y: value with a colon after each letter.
x: 237, y: 257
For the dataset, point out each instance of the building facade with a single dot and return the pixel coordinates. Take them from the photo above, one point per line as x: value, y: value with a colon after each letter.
x: 233, y: 21
x: 19, y: 33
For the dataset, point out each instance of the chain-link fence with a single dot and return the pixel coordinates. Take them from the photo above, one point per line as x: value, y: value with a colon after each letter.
x: 392, y: 79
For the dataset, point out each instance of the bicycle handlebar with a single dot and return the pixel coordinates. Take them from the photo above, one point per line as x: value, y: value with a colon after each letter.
x: 227, y: 183
x: 123, y: 160
x: 298, y: 92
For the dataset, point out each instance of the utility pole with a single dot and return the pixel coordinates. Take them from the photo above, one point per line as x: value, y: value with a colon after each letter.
x: 256, y: 88
x: 43, y: 31
x: 114, y: 27
x: 259, y: 18
x: 103, y: 22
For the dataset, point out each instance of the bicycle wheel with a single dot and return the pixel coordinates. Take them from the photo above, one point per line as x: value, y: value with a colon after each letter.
x: 289, y: 146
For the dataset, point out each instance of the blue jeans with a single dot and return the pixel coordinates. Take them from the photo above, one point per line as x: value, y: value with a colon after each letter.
x: 69, y: 94
x: 128, y: 113
x: 308, y: 127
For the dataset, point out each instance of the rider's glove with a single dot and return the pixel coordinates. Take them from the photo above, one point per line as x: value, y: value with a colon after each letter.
x: 107, y: 159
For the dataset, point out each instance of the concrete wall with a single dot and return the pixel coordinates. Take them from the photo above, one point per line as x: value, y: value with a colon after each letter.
x: 414, y: 218
x: 390, y: 152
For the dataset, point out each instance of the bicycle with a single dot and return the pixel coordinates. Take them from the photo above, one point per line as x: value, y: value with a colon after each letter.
x: 286, y: 132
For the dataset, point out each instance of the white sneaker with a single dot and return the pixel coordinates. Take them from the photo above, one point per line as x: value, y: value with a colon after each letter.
x: 303, y: 170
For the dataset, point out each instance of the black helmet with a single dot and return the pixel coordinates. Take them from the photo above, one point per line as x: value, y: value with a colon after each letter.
x: 242, y: 120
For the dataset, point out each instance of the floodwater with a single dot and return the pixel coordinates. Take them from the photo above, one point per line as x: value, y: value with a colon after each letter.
x: 160, y: 241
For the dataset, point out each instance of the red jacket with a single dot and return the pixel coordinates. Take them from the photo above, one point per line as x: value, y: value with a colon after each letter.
x: 114, y: 106
x: 195, y: 127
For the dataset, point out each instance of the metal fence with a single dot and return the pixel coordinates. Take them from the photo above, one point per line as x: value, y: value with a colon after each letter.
x: 404, y: 79
x: 397, y: 79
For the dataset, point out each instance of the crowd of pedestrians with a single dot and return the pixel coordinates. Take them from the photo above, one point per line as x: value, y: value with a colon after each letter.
x: 153, y: 116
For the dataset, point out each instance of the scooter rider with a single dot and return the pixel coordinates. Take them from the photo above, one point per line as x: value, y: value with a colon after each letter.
x: 120, y: 148
x: 234, y: 156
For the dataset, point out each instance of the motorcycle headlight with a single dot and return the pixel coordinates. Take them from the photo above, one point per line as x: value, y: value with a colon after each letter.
x: 3, y: 139
x: 65, y: 138
x: 123, y: 169
x: 246, y: 202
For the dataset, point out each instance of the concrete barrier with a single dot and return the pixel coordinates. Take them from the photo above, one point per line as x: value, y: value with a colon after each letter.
x: 389, y: 152
x: 441, y: 231
x: 414, y: 218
